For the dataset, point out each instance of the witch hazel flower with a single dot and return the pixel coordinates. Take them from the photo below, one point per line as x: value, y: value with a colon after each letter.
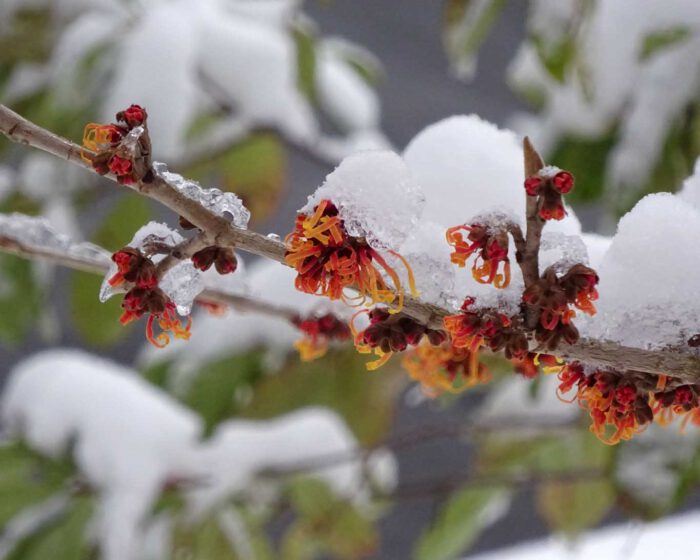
x: 121, y: 148
x: 619, y: 406
x: 548, y: 185
x: 475, y: 328
x: 318, y: 332
x: 490, y: 247
x: 145, y: 297
x: 388, y: 333
x: 444, y: 368
x: 329, y: 261
x: 554, y: 296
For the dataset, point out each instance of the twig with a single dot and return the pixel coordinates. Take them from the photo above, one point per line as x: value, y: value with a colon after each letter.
x: 530, y: 262
x: 445, y: 485
x: 427, y: 432
x: 100, y: 267
x: 678, y: 362
x: 181, y: 252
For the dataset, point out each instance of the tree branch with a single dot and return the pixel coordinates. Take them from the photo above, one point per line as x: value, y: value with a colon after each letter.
x: 682, y: 363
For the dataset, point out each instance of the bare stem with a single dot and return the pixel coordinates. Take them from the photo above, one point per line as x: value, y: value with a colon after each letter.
x: 682, y: 363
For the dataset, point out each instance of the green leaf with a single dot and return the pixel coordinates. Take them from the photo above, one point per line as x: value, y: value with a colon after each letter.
x: 663, y: 39
x: 98, y: 323
x: 310, y: 497
x: 339, y: 380
x: 20, y: 298
x: 587, y: 160
x: 64, y: 540
x: 306, y: 61
x: 460, y: 522
x: 128, y: 215
x: 26, y: 479
x: 255, y: 169
x: 207, y: 540
x: 212, y: 393
x: 556, y: 57
x: 573, y: 507
x: 466, y: 27
x: 326, y: 523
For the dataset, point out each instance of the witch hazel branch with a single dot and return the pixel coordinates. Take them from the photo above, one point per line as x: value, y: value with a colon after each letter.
x: 346, y: 246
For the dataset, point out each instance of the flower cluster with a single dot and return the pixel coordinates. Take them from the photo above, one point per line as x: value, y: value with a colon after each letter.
x: 108, y: 151
x: 473, y: 329
x: 549, y: 185
x: 318, y: 333
x: 328, y: 261
x: 621, y: 406
x: 389, y: 333
x: 553, y: 297
x: 491, y: 248
x: 145, y: 297
x: 223, y: 259
x: 444, y: 368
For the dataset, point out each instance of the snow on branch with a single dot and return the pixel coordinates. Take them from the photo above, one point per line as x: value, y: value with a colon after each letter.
x: 219, y: 231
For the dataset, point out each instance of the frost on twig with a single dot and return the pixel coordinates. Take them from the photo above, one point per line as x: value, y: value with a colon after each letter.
x: 35, y: 234
x: 224, y: 204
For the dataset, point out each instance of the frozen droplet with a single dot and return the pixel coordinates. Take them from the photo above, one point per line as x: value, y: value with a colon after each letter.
x: 224, y: 204
x: 182, y: 284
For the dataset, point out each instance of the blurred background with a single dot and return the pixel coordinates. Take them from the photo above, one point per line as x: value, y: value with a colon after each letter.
x: 264, y: 98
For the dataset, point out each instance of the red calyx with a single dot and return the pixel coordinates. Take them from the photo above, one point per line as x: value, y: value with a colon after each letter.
x: 134, y: 115
x: 533, y: 185
x: 120, y: 166
x: 563, y: 182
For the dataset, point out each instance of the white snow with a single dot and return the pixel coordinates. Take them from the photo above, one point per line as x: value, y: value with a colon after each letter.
x: 672, y: 536
x: 428, y: 253
x: 650, y: 276
x: 128, y: 439
x: 468, y: 166
x: 283, y: 443
x: 155, y: 67
x: 376, y: 195
x: 471, y: 171
x: 344, y: 95
x: 611, y: 82
x: 690, y: 191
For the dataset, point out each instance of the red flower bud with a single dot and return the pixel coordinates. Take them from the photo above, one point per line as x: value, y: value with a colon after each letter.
x: 563, y: 182
x: 203, y: 259
x: 226, y: 262
x: 135, y: 115
x: 533, y: 185
x: 119, y: 166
